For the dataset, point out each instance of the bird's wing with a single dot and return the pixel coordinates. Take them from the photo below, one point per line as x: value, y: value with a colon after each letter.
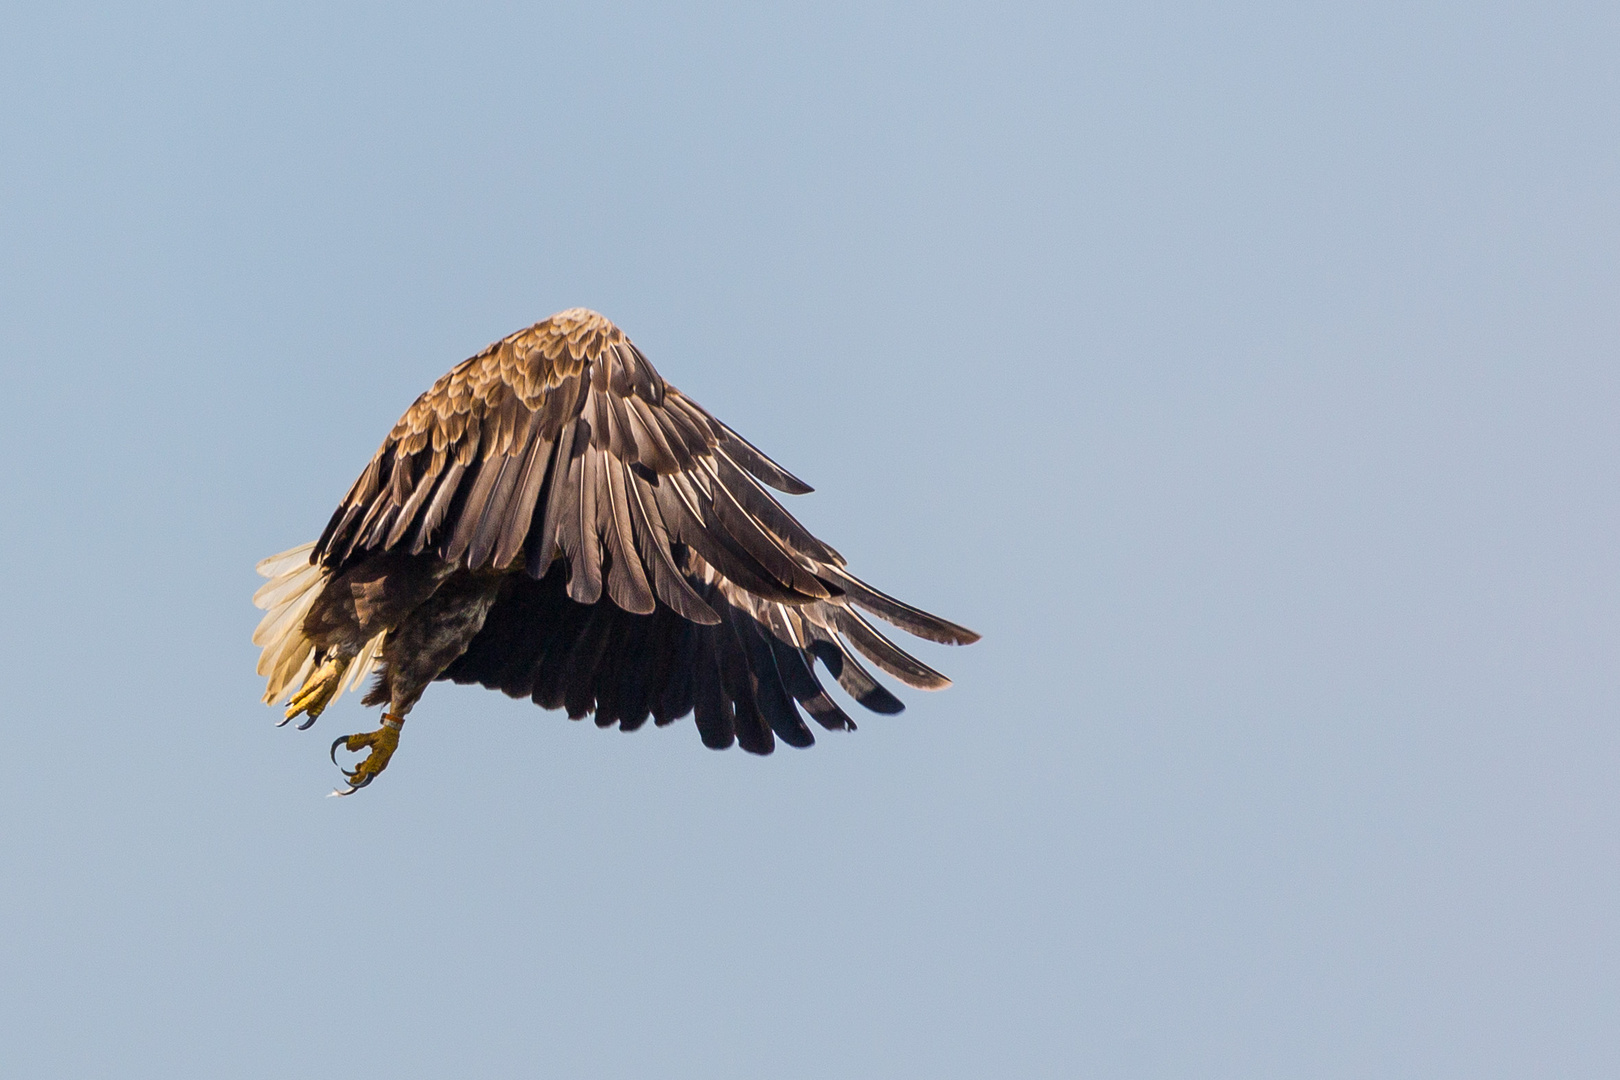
x: 562, y: 445
x: 563, y: 440
x: 745, y: 678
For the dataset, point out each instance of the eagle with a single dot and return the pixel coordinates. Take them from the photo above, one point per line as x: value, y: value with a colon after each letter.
x: 553, y: 520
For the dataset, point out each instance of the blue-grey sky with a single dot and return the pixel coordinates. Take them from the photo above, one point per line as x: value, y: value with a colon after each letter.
x: 1247, y: 375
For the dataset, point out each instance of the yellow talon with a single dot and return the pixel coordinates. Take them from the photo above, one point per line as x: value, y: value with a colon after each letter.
x: 383, y: 742
x: 318, y: 689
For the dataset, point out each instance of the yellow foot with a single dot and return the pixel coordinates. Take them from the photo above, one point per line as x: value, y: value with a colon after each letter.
x: 317, y: 691
x: 383, y: 742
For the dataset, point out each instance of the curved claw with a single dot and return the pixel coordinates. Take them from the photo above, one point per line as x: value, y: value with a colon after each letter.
x: 307, y: 724
x: 283, y: 721
x: 339, y: 793
x: 381, y: 744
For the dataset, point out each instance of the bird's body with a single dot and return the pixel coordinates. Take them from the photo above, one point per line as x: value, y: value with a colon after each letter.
x: 553, y: 520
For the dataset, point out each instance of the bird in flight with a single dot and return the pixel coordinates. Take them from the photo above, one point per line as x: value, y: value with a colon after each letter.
x: 555, y: 521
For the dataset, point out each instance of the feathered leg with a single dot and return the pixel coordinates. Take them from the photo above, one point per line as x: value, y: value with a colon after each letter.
x: 413, y: 655
x: 319, y: 627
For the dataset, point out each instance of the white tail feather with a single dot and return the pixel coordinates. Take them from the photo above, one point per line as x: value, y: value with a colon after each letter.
x: 362, y: 664
x: 289, y: 657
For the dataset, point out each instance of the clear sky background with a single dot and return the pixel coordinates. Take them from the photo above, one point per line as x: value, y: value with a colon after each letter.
x: 1247, y: 375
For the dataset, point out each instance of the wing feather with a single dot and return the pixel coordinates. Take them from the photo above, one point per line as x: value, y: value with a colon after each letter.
x: 671, y: 585
x: 439, y: 508
x: 884, y: 653
x: 764, y: 548
x: 559, y: 492
x: 765, y: 682
x: 750, y: 457
x: 520, y: 514
x: 851, y: 674
x: 486, y: 476
x: 770, y: 514
x: 585, y: 581
x: 425, y: 486
x: 627, y: 581
x: 912, y: 620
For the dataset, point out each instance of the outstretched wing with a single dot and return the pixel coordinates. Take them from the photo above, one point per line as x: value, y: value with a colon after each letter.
x: 745, y: 678
x: 562, y: 450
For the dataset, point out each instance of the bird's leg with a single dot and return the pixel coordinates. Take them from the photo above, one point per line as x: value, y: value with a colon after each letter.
x: 383, y: 742
x: 318, y: 689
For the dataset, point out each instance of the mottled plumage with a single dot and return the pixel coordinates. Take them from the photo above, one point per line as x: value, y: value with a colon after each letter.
x: 554, y: 520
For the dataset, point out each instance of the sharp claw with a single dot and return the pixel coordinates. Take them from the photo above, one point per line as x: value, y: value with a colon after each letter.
x: 336, y: 794
x: 317, y: 692
x: 283, y: 721
x: 356, y: 781
x: 381, y: 744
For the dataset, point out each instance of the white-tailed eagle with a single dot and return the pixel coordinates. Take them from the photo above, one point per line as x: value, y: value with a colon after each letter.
x: 555, y: 521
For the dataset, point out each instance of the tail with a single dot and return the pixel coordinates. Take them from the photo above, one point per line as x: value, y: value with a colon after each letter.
x: 288, y: 656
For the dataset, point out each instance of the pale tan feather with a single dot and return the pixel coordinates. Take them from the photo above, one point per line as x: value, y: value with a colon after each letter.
x: 363, y: 665
x: 287, y: 597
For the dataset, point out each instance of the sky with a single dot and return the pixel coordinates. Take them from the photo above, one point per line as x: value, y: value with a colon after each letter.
x: 1245, y: 374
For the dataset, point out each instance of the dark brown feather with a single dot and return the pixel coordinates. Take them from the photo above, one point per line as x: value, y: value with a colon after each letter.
x: 883, y: 652
x: 910, y: 619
